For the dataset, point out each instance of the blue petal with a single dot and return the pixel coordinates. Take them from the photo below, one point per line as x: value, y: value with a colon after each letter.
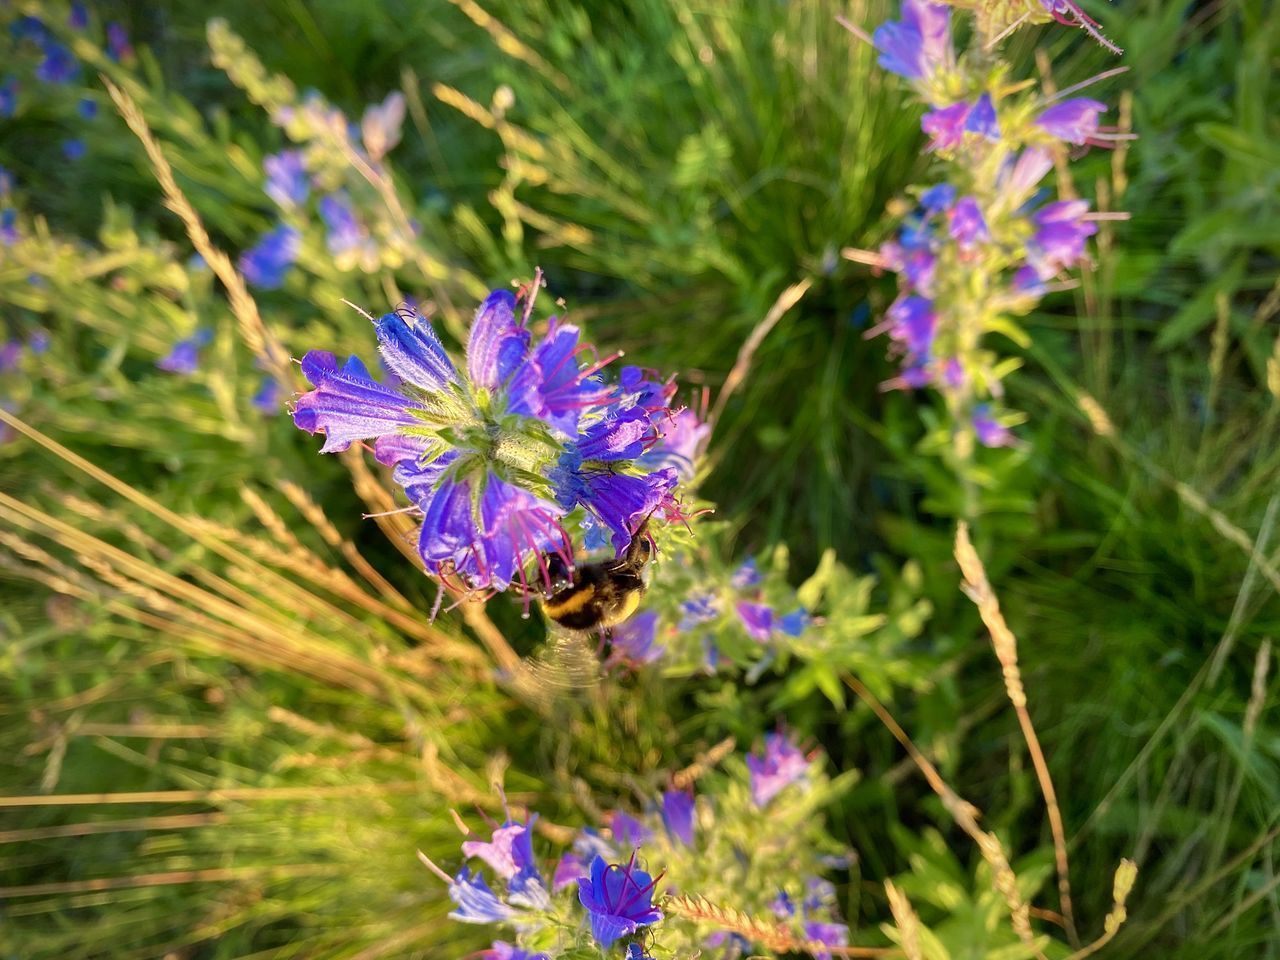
x: 347, y: 404
x: 497, y: 344
x: 414, y: 353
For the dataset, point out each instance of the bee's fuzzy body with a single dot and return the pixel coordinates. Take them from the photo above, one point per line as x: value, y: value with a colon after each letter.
x: 599, y: 595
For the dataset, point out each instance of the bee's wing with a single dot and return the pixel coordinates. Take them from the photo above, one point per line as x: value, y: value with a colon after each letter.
x: 567, y: 663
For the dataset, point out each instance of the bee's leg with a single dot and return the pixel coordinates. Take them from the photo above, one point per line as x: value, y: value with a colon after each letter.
x: 605, y: 647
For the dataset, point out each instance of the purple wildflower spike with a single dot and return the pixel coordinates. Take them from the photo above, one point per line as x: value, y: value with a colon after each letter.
x: 757, y: 618
x: 826, y: 934
x: 619, y: 900
x: 287, y: 182
x: 781, y: 764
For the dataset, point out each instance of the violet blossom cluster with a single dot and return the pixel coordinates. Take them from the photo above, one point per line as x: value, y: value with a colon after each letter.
x: 504, y: 452
x: 986, y: 240
x: 601, y: 892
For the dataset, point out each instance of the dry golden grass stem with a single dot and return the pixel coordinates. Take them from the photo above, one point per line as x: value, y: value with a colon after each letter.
x: 137, y: 824
x: 966, y: 817
x: 314, y: 515
x: 213, y: 797
x: 1122, y: 886
x: 904, y: 917
x: 977, y: 588
x: 169, y: 878
x: 702, y: 763
x: 742, y: 365
x: 255, y: 333
x: 769, y: 934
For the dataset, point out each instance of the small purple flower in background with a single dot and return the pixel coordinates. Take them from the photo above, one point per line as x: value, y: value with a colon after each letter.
x: 627, y: 830
x: 912, y: 324
x: 781, y: 764
x: 118, y: 46
x: 74, y: 149
x: 476, y: 903
x: 982, y: 119
x: 345, y: 233
x: 746, y: 576
x: 78, y: 18
x: 795, y: 623
x: 782, y: 905
x: 735, y: 944
x: 619, y: 900
x: 38, y: 342
x: 698, y: 609
x: 946, y: 126
x: 381, y: 125
x: 87, y: 108
x: 682, y: 440
x: 968, y: 226
x: 508, y: 852
x: 8, y: 96
x: 634, y: 640
x: 265, y: 264
x: 938, y: 198
x: 8, y: 226
x: 184, y: 358
x: 990, y: 432
x: 287, y: 182
x: 1018, y: 179
x: 59, y: 65
x: 826, y: 934
x: 268, y: 398
x: 919, y: 44
x: 501, y: 950
x: 677, y: 815
x: 10, y: 356
x: 757, y: 619
x: 1074, y: 121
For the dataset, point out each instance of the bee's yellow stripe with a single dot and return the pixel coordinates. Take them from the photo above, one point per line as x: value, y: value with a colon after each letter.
x: 630, y: 603
x: 570, y: 604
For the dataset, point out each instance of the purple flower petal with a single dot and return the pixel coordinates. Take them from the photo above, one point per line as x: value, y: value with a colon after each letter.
x: 497, y: 344
x: 1074, y: 121
x: 414, y: 353
x: 946, y: 126
x: 982, y: 119
x: 347, y: 404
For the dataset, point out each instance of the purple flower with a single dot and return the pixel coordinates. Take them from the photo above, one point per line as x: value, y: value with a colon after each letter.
x: 918, y: 44
x: 78, y: 18
x: 619, y: 900
x: 627, y: 830
x: 39, y: 341
x: 757, y: 618
x: 699, y: 608
x: 184, y: 357
x: 548, y: 383
x: 946, y: 126
x: 746, y: 576
x: 118, y: 46
x: 913, y: 324
x: 1074, y: 121
x: 795, y: 623
x: 73, y: 148
x: 345, y: 232
x: 735, y: 944
x: 989, y: 430
x: 938, y: 198
x: 634, y: 640
x: 982, y: 119
x: 968, y: 226
x: 569, y: 869
x: 1059, y: 240
x: 682, y: 439
x: 505, y: 951
x: 498, y: 343
x: 267, y: 399
x: 1019, y: 179
x: 514, y: 526
x: 347, y: 404
x: 59, y: 64
x: 827, y: 934
x: 509, y: 851
x: 782, y: 905
x: 8, y: 226
x: 287, y: 182
x: 476, y: 903
x: 1027, y: 281
x: 677, y: 815
x: 87, y: 107
x: 265, y: 264
x: 10, y: 356
x: 781, y: 764
x: 8, y: 96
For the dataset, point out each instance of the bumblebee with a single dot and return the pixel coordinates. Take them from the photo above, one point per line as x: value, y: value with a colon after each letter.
x: 599, y: 595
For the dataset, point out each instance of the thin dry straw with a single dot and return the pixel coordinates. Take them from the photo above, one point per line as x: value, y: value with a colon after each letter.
x: 966, y: 816
x: 978, y: 589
